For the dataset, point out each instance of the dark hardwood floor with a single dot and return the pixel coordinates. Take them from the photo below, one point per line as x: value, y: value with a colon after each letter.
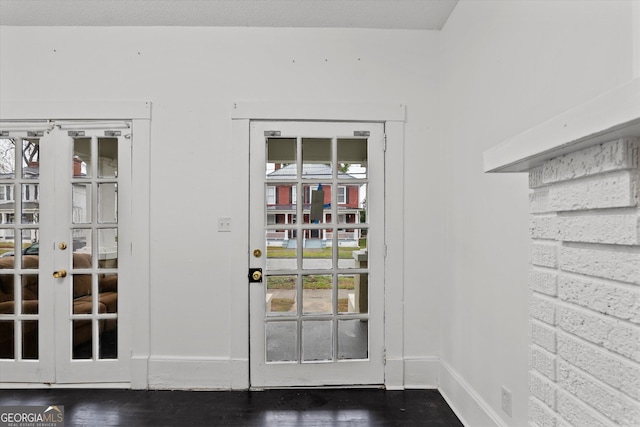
x: 281, y: 408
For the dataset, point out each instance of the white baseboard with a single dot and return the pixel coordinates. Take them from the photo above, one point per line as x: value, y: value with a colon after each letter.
x: 467, y: 404
x: 198, y: 373
x: 421, y: 372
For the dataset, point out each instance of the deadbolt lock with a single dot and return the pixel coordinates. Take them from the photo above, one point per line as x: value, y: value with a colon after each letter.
x: 255, y: 275
x: 257, y: 253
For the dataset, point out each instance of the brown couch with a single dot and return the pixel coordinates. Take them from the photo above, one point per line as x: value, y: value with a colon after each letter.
x: 82, y: 304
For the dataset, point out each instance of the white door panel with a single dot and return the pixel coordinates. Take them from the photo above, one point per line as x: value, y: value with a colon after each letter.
x: 316, y: 234
x: 83, y: 174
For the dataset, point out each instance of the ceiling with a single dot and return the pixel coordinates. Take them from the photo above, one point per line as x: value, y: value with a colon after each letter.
x: 381, y: 14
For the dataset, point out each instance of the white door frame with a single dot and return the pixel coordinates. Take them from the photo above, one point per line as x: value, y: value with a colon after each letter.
x: 139, y: 114
x: 393, y: 117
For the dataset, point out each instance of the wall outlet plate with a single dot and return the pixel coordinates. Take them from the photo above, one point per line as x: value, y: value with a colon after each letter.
x: 506, y: 401
x: 224, y: 224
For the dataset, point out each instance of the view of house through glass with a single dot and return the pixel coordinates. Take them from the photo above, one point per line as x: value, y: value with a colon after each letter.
x: 90, y: 245
x: 316, y: 291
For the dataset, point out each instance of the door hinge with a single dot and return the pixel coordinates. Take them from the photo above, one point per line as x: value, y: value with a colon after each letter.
x: 384, y: 356
x: 385, y: 250
x: 384, y: 142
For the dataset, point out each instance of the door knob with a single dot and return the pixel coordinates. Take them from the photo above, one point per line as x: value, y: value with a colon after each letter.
x: 60, y: 273
x: 255, y: 275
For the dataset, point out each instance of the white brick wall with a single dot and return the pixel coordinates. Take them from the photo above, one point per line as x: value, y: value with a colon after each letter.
x: 585, y: 282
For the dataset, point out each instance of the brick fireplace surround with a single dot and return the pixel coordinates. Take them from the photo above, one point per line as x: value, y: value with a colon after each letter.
x: 584, y: 315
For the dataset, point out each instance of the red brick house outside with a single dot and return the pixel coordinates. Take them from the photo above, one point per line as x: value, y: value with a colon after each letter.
x: 282, y: 199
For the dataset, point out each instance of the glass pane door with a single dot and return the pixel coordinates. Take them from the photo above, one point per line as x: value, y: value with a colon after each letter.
x: 88, y: 307
x: 20, y: 306
x: 63, y: 197
x: 314, y: 184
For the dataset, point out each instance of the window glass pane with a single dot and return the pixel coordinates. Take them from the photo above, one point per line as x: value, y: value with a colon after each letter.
x: 353, y: 339
x: 317, y: 292
x: 108, y: 248
x: 280, y: 295
x: 317, y: 340
x: 352, y: 245
x: 317, y: 203
x: 108, y: 203
x: 81, y: 238
x: 317, y: 253
x: 81, y: 203
x: 30, y: 248
x: 281, y: 158
x: 281, y: 249
x: 6, y: 286
x: 109, y: 340
x: 30, y: 159
x: 8, y: 158
x: 107, y: 157
x: 82, y: 157
x: 30, y: 339
x: 281, y: 341
x: 29, y: 294
x: 82, y: 300
x: 82, y: 333
x: 347, y: 294
x: 316, y: 158
x: 30, y: 204
x: 7, y: 340
x: 352, y: 158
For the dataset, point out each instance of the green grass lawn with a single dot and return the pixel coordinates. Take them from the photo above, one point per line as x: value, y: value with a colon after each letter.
x: 324, y: 253
x: 309, y: 282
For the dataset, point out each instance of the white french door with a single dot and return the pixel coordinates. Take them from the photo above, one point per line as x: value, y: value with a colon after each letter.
x: 64, y: 266
x: 316, y: 253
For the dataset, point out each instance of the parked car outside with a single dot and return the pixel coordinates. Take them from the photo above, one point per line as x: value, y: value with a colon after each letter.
x: 34, y: 248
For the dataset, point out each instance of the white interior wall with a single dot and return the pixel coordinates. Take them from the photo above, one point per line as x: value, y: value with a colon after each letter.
x: 508, y: 66
x: 193, y: 76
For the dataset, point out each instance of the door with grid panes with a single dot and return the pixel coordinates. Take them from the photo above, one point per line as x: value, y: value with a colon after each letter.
x: 63, y: 262
x: 316, y: 253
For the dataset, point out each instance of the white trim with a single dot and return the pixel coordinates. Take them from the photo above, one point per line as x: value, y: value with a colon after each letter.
x: 635, y: 25
x: 74, y: 110
x: 353, y: 112
x: 393, y: 115
x: 93, y: 386
x: 465, y: 402
x: 394, y: 260
x: 139, y: 114
x: 238, y: 238
x: 421, y: 372
x: 207, y: 373
x: 613, y: 115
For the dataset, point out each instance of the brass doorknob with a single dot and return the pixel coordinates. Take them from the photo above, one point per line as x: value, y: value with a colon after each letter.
x: 257, y: 275
x: 60, y: 273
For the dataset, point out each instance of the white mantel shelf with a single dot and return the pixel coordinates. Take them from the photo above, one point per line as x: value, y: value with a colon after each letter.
x: 613, y: 115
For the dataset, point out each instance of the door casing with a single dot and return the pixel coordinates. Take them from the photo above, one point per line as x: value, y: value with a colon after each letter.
x: 138, y: 114
x: 393, y: 115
